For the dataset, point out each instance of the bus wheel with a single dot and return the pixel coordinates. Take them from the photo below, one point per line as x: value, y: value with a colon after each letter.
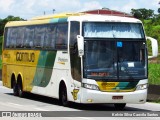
x: 119, y: 106
x: 20, y: 90
x: 63, y: 96
x: 15, y: 88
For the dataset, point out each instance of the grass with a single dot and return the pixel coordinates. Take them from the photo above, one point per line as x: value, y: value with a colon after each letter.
x: 155, y: 101
x: 147, y: 21
x: 154, y: 74
x: 1, y: 39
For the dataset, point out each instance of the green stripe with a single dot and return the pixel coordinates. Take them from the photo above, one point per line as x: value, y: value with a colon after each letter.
x: 126, y: 85
x: 44, y: 68
x: 58, y: 20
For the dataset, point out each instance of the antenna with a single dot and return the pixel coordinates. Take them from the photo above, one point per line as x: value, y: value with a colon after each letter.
x: 54, y: 11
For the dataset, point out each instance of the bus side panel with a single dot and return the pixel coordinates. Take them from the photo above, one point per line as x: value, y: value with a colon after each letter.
x: 20, y: 62
x: 29, y: 73
x: 6, y: 68
x: 5, y: 75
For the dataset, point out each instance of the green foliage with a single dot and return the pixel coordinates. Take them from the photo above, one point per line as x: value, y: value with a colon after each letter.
x: 1, y: 39
x: 152, y: 29
x: 0, y: 63
x: 154, y: 74
x: 4, y: 21
x: 142, y: 13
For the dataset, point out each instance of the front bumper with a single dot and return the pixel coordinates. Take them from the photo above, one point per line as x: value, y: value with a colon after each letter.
x: 94, y: 96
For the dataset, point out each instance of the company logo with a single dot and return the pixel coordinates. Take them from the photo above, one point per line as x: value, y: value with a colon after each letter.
x: 21, y: 114
x: 62, y: 60
x: 6, y: 114
x: 25, y: 57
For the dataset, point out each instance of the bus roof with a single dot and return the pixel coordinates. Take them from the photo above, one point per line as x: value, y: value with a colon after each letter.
x: 103, y: 18
x: 72, y: 17
x: 61, y: 15
x: 43, y: 19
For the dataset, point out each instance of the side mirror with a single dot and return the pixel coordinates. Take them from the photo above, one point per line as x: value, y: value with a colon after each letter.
x: 154, y: 45
x: 80, y: 42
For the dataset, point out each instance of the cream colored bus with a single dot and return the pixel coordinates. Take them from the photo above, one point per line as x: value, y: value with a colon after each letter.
x: 78, y: 58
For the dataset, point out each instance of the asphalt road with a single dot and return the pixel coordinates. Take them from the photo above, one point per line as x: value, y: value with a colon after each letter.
x: 32, y: 102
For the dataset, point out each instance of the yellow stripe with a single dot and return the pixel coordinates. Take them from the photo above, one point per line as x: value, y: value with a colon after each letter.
x: 63, y: 63
x: 23, y: 23
x: 109, y: 87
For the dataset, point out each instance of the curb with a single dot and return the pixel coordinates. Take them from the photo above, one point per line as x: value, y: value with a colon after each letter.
x: 153, y: 92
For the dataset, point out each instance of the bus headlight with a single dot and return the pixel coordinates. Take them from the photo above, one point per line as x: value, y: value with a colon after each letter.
x: 142, y: 87
x: 90, y: 86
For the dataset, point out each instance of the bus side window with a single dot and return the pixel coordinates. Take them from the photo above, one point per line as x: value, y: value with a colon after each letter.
x: 75, y: 60
x: 29, y: 37
x: 13, y: 37
x: 73, y: 36
x: 50, y: 37
x: 61, y: 36
x: 7, y: 37
x: 39, y: 36
x: 20, y: 37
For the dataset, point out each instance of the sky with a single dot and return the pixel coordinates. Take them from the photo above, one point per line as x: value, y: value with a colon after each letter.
x: 27, y: 9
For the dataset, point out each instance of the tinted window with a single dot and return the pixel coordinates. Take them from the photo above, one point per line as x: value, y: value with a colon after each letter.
x: 75, y: 27
x: 20, y: 37
x: 12, y: 36
x: 61, y: 36
x: 113, y: 30
x: 39, y: 36
x: 50, y: 37
x: 29, y: 37
x: 75, y: 60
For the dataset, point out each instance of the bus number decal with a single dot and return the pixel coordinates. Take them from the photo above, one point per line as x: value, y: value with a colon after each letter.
x: 25, y: 57
x: 102, y: 74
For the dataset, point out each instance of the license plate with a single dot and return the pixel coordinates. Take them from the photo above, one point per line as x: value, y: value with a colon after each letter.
x: 117, y: 97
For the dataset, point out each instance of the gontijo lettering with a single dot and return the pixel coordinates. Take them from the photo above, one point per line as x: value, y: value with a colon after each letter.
x: 25, y: 57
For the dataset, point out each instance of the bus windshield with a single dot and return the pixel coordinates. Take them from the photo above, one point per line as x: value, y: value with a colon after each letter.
x: 115, y: 58
x: 113, y: 30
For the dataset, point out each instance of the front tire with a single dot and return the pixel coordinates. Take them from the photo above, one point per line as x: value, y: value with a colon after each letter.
x: 63, y: 96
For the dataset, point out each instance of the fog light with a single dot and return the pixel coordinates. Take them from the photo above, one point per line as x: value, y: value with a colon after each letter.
x: 89, y: 100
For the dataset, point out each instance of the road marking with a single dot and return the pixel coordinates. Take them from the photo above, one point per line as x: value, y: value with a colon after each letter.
x: 41, y: 109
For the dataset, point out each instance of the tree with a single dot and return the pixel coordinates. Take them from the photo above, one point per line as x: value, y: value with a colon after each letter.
x: 4, y: 21
x: 142, y: 13
x: 159, y: 10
